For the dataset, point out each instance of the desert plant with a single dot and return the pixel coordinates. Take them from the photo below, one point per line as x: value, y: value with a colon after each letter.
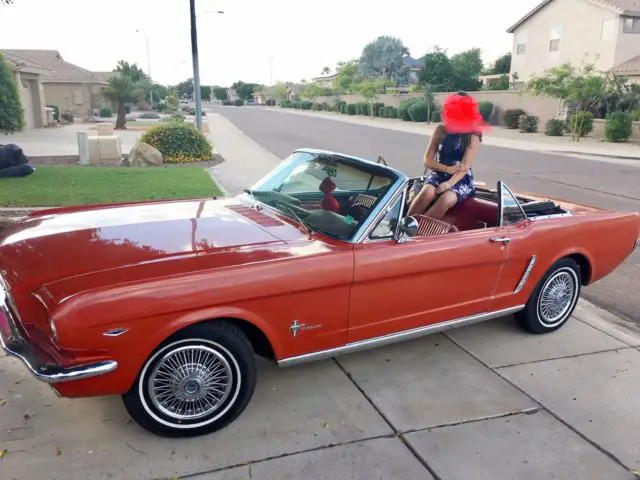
x: 528, y: 123
x: 179, y: 142
x: 511, y: 117
x: 11, y: 111
x: 418, y: 111
x: 105, y: 112
x: 122, y: 90
x: 486, y: 109
x: 618, y: 127
x: 555, y: 128
x: 581, y: 124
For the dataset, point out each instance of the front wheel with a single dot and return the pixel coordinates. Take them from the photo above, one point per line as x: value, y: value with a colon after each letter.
x: 553, y: 300
x: 195, y: 383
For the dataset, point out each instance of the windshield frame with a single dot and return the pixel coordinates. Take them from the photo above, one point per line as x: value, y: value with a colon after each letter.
x: 359, y: 235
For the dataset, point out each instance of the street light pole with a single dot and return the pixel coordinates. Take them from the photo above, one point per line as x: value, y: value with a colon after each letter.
x: 146, y: 38
x: 196, y: 66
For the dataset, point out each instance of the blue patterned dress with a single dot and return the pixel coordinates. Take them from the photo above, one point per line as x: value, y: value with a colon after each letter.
x: 451, y: 151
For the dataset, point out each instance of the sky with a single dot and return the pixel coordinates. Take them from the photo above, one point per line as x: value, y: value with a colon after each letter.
x: 253, y: 40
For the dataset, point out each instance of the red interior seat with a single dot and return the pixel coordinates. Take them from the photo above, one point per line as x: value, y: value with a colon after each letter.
x: 428, y: 226
x: 472, y: 214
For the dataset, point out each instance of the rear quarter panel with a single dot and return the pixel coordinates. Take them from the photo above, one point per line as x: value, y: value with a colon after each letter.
x: 604, y: 239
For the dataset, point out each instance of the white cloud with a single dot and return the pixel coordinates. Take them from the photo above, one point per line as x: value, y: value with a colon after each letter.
x: 302, y: 36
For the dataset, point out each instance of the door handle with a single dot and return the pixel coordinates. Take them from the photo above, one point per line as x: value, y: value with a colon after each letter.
x: 504, y: 240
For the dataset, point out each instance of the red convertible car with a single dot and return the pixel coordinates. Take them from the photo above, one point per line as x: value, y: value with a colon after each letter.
x: 167, y: 302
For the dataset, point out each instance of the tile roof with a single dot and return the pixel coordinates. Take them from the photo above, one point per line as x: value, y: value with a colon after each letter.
x: 59, y: 71
x: 621, y: 7
x: 104, y: 76
x: 17, y: 62
x: 629, y: 67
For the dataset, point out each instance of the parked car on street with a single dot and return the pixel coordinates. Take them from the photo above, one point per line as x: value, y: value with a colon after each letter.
x: 167, y: 303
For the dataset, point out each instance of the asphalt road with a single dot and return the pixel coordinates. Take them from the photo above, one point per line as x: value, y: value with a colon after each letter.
x: 597, y: 183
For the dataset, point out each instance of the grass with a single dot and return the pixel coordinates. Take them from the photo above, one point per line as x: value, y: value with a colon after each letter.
x: 52, y: 186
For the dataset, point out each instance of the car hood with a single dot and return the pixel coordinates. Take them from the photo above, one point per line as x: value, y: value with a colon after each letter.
x: 63, y: 243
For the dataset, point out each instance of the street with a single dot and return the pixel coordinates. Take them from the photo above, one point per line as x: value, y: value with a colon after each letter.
x: 597, y: 183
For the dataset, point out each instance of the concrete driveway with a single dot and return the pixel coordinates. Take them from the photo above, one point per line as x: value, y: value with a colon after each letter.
x: 487, y: 401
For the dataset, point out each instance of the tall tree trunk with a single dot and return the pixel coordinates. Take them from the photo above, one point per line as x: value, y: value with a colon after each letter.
x: 121, y: 120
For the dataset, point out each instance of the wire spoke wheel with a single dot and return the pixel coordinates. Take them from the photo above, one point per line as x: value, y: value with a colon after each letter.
x: 557, y: 297
x: 190, y: 382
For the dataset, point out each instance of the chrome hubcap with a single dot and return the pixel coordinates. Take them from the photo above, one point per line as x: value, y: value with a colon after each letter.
x: 557, y: 298
x: 190, y: 382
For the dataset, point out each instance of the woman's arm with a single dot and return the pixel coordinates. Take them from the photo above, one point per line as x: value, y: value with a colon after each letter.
x: 469, y: 154
x: 430, y: 154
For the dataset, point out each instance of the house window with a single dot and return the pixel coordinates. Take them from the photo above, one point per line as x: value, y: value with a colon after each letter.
x: 631, y: 25
x: 554, y: 45
x: 554, y: 38
x: 520, y: 49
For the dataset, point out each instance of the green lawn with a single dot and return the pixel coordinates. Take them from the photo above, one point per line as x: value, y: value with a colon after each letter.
x: 76, y: 185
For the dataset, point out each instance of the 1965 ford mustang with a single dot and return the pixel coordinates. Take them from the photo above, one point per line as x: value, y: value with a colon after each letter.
x: 167, y: 302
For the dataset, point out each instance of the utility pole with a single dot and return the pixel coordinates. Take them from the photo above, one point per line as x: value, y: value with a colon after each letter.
x: 146, y: 39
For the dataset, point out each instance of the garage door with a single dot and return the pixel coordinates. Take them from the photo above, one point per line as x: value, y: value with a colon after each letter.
x: 26, y: 95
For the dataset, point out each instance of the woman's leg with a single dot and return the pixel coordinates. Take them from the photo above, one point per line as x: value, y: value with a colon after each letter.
x: 422, y: 200
x: 446, y: 201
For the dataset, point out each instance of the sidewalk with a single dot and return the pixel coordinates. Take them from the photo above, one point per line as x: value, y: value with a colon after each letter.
x: 497, y: 136
x: 487, y: 401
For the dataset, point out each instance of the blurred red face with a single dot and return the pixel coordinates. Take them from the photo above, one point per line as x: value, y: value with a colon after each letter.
x: 460, y: 114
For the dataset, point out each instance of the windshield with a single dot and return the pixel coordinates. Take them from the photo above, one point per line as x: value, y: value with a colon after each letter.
x: 325, y: 193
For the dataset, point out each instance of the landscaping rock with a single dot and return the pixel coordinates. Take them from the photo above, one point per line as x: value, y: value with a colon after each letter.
x: 144, y: 155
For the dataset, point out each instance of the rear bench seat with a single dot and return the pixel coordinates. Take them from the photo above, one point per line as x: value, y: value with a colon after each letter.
x: 469, y: 214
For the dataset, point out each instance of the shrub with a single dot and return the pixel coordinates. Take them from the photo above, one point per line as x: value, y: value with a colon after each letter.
x: 391, y: 112
x: 173, y: 102
x: 11, y: 110
x: 486, y: 109
x: 337, y: 105
x: 584, y: 122
x: 436, y: 116
x: 555, y: 128
x: 238, y: 102
x: 418, y: 111
x: 350, y: 109
x: 56, y: 112
x: 270, y: 102
x: 618, y: 127
x: 403, y: 111
x: 127, y: 109
x: 179, y: 142
x: 106, y: 112
x: 378, y: 109
x: 306, y: 105
x: 227, y: 103
x: 528, y: 123
x: 363, y: 108
x: 149, y: 115
x: 67, y: 116
x: 177, y: 116
x: 343, y: 108
x: 511, y: 117
x: 143, y: 105
x: 636, y: 115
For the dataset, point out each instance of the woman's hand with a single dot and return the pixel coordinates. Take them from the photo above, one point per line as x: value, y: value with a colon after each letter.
x: 443, y: 187
x: 457, y: 169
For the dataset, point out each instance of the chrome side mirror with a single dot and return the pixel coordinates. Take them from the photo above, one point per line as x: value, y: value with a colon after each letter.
x: 408, y: 227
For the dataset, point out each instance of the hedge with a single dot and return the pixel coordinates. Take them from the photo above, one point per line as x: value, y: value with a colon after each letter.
x: 179, y: 142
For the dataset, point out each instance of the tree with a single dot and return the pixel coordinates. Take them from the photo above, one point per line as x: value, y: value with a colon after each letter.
x: 172, y: 102
x: 279, y: 91
x: 220, y: 93
x: 502, y: 65
x: 185, y: 89
x: 326, y: 70
x: 6, y: 2
x: 384, y: 58
x: 122, y: 90
x: 135, y: 73
x: 347, y: 77
x: 584, y: 86
x: 245, y: 90
x: 369, y: 89
x: 205, y: 92
x: 467, y: 66
x: 313, y: 91
x: 11, y: 111
x: 438, y: 71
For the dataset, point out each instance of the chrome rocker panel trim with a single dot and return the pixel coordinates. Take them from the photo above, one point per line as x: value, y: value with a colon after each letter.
x: 15, y: 345
x: 396, y: 337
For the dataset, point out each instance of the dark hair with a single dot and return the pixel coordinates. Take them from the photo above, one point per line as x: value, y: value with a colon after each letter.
x: 462, y: 93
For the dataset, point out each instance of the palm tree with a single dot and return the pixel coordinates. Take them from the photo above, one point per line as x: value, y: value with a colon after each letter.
x: 122, y: 90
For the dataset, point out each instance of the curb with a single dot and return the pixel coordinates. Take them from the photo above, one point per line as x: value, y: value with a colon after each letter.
x: 607, y: 322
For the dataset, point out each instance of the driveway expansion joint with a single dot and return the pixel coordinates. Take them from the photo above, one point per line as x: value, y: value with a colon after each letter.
x: 562, y: 357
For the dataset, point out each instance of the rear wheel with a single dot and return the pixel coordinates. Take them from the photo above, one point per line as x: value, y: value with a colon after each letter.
x: 195, y: 383
x: 554, y: 298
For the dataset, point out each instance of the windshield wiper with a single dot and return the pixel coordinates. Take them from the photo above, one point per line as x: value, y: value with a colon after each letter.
x: 297, y: 217
x: 253, y: 197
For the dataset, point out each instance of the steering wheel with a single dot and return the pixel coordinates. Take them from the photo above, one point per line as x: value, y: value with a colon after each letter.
x: 358, y: 212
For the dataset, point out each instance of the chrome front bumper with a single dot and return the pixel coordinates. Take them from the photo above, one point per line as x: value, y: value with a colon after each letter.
x: 14, y: 344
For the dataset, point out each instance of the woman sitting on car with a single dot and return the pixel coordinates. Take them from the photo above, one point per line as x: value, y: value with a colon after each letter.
x: 455, y: 142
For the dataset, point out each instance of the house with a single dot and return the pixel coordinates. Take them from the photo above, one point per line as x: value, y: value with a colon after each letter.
x: 294, y: 91
x: 414, y: 67
x: 325, y: 81
x: 629, y: 70
x: 69, y: 87
x: 28, y: 77
x: 232, y: 95
x: 605, y: 33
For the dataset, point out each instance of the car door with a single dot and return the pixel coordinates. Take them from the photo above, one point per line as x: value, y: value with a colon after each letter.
x: 423, y: 280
